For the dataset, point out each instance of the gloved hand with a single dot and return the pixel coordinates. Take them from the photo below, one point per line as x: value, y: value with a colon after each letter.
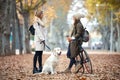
x: 42, y: 41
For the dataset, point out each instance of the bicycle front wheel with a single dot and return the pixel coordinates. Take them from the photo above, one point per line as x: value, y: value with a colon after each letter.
x: 87, y: 62
x: 79, y: 61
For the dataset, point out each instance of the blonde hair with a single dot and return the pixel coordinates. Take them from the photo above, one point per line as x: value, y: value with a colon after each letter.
x: 38, y: 13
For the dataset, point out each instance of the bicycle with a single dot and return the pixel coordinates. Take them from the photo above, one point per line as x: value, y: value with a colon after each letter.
x: 85, y: 61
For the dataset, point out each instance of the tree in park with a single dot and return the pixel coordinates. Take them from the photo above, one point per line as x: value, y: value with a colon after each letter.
x: 6, y: 14
x: 25, y: 7
x: 58, y: 22
x: 106, y: 12
x: 9, y: 22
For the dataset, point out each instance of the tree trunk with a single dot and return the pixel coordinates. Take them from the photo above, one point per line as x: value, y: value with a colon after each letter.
x: 111, y: 32
x: 13, y: 37
x: 1, y: 43
x: 118, y: 38
x: 105, y: 35
x: 7, y: 28
x: 3, y: 7
x: 27, y: 35
x: 13, y: 22
x: 19, y: 34
x: 16, y: 37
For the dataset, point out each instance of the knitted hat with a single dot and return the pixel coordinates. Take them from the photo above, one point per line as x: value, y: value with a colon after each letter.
x: 78, y: 16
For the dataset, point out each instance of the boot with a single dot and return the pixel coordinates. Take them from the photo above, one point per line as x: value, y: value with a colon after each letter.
x: 35, y: 70
x: 77, y: 67
x: 40, y: 69
x: 68, y: 70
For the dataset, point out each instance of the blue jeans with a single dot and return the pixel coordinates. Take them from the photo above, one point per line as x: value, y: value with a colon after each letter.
x: 68, y: 52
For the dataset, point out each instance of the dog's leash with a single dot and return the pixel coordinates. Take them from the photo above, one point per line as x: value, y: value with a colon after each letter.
x: 45, y: 44
x: 48, y: 47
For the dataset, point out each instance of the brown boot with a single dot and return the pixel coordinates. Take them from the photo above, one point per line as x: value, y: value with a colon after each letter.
x: 77, y: 67
x: 68, y: 70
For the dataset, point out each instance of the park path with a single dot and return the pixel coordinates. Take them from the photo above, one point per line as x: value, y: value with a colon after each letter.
x: 106, y: 66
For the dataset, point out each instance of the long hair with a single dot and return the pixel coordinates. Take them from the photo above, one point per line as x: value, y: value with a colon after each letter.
x: 76, y: 21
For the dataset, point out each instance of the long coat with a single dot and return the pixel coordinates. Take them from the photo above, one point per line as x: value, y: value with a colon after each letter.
x: 40, y: 33
x: 77, y: 32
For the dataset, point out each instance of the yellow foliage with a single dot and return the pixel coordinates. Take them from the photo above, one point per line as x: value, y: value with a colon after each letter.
x: 100, y: 8
x: 91, y: 6
x: 51, y: 8
x: 117, y: 16
x: 49, y: 13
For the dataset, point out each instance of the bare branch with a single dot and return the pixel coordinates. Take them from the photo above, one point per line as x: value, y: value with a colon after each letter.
x: 31, y: 2
x: 21, y: 5
x: 19, y: 9
x: 40, y: 3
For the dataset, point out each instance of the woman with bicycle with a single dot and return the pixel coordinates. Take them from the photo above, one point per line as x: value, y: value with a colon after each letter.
x: 75, y: 42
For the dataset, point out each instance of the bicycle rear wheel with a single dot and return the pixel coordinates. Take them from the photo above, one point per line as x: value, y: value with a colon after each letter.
x: 87, y: 62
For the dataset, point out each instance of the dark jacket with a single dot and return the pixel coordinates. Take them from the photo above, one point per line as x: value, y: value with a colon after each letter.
x: 77, y: 32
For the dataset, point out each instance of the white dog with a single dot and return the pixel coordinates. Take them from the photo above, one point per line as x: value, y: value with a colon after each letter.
x: 51, y: 62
